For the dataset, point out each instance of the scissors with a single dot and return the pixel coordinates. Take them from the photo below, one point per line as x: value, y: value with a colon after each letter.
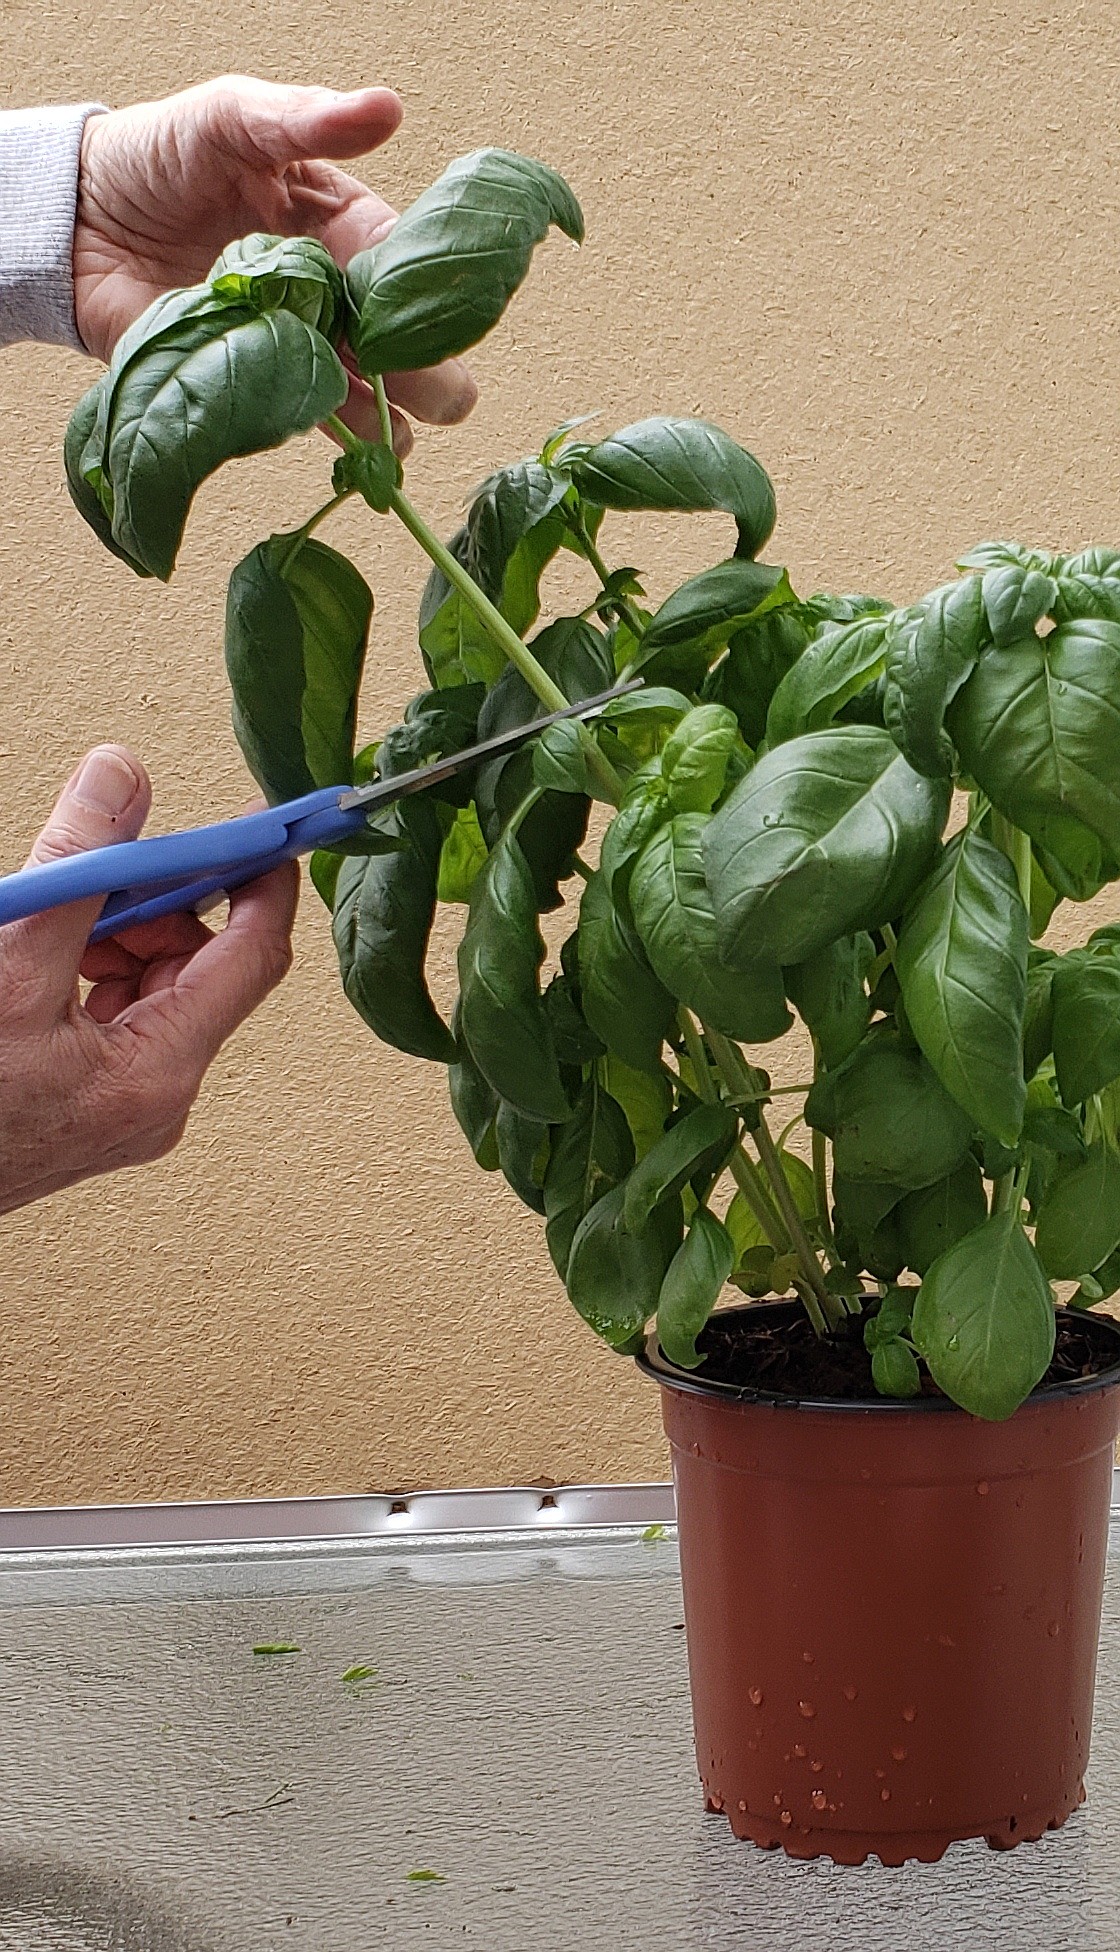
x: 194, y: 869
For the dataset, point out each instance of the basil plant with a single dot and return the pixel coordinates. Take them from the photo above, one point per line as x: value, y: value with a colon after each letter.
x: 859, y: 813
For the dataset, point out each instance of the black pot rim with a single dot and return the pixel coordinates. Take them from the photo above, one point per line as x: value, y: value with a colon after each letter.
x: 653, y: 1362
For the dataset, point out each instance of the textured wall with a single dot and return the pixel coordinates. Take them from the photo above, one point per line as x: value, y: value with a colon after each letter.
x: 876, y: 242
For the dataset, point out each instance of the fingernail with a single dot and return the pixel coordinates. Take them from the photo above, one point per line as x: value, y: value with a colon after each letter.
x: 106, y: 784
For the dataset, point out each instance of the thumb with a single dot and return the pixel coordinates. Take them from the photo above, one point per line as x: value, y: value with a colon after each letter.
x: 296, y: 125
x: 106, y: 799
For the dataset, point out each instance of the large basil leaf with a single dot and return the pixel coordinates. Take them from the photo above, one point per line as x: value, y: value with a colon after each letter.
x: 932, y: 1219
x: 695, y: 757
x: 453, y: 260
x: 297, y: 621
x: 504, y: 1022
x: 614, y: 1276
x: 645, y: 1096
x: 1015, y: 600
x: 829, y: 834
x: 1085, y: 1032
x: 757, y: 660
x: 1088, y: 585
x: 697, y: 1144
x: 644, y: 809
x: 889, y: 1117
x: 1079, y: 1219
x: 523, y: 1153
x: 513, y: 529
x: 1038, y: 727
x: 84, y: 495
x: 220, y: 382
x: 697, y: 622
x: 697, y: 1273
x: 928, y: 656
x: 623, y: 1000
x: 680, y: 464
x: 835, y: 666
x: 473, y: 1101
x: 591, y: 1154
x: 867, y: 1231
x: 282, y: 274
x: 829, y: 992
x: 984, y: 1319
x: 997, y: 555
x: 673, y: 914
x: 962, y: 966
x: 382, y: 920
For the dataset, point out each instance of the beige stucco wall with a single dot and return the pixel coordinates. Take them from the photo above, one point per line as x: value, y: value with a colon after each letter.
x: 878, y: 242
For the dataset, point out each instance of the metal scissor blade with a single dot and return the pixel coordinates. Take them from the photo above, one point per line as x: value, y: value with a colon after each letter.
x: 383, y: 792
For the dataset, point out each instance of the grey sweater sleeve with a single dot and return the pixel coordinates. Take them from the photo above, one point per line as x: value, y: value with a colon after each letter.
x: 40, y: 150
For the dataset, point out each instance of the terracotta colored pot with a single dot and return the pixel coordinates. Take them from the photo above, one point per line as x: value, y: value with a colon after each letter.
x: 892, y: 1610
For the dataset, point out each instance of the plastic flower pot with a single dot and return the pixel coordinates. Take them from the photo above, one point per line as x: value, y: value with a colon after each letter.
x: 892, y: 1608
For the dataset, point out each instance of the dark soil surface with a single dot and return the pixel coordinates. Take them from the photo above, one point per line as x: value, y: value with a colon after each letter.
x: 762, y: 1348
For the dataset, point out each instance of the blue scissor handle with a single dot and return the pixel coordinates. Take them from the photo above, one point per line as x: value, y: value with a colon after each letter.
x: 143, y: 879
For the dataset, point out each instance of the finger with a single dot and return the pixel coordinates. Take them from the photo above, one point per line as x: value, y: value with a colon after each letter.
x: 110, y: 998
x: 359, y: 413
x: 225, y: 981
x: 291, y: 125
x: 105, y: 800
x: 145, y: 942
x: 442, y: 395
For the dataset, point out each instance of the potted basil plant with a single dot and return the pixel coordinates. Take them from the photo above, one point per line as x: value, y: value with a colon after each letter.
x: 835, y: 816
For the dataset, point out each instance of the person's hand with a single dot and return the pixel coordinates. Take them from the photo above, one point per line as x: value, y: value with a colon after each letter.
x: 165, y: 186
x: 108, y: 1083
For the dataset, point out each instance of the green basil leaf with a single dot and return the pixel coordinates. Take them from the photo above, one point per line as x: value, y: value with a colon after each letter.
x: 451, y: 263
x: 504, y: 1023
x: 1038, y: 1018
x: 1079, y: 1219
x: 697, y: 1273
x: 1086, y: 1024
x: 645, y: 1096
x: 1104, y: 1280
x: 324, y: 868
x: 282, y: 274
x: 674, y: 917
x: 462, y: 856
x: 576, y: 1043
x: 590, y: 1155
x: 889, y: 1117
x: 644, y: 809
x: 1015, y: 600
x: 1088, y: 585
x: 929, y: 655
x: 698, y: 1143
x: 514, y: 527
x: 829, y: 992
x: 894, y: 1369
x: 932, y: 1219
x: 696, y: 623
x: 984, y: 1319
x: 560, y: 759
x: 523, y: 1153
x: 997, y: 555
x: 830, y: 833
x: 614, y: 1276
x: 1044, y: 899
x: 80, y: 433
x: 1037, y: 727
x: 297, y: 623
x: 695, y: 755
x: 891, y: 1319
x: 758, y: 658
x: 222, y: 383
x: 835, y: 666
x: 1047, y: 1123
x: 474, y: 1102
x: 962, y: 966
x: 382, y: 920
x: 680, y: 464
x: 623, y: 1000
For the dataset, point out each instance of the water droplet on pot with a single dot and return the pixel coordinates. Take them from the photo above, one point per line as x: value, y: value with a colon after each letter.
x: 808, y: 1658
x: 754, y: 1695
x: 908, y: 1714
x: 1054, y: 1629
x: 807, y: 1709
x: 819, y: 1800
x: 742, y: 1805
x: 816, y: 1767
x: 850, y: 1693
x: 945, y: 1640
x: 899, y: 1755
x: 786, y: 1817
x: 777, y: 1799
x: 879, y: 1775
x: 884, y: 1796
x: 799, y: 1751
